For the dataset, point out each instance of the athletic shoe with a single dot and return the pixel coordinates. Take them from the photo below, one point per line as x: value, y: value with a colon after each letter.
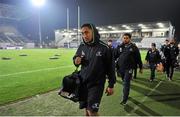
x: 169, y: 79
x: 150, y: 80
x: 123, y: 103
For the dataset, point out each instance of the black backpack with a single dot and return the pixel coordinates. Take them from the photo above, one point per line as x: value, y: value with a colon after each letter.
x: 70, y: 86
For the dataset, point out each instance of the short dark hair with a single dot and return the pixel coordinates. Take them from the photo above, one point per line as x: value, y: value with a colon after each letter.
x: 153, y: 44
x: 127, y: 34
x: 109, y: 40
x: 167, y: 40
x: 87, y: 25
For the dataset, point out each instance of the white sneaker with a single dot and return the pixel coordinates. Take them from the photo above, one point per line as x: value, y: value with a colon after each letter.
x: 169, y: 79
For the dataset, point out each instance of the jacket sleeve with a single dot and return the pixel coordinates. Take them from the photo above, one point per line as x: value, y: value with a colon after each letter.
x: 110, y: 67
x: 78, y: 54
x: 147, y: 56
x: 166, y: 52
x: 116, y: 52
x: 158, y: 57
x: 162, y: 48
x: 177, y: 51
x: 138, y: 57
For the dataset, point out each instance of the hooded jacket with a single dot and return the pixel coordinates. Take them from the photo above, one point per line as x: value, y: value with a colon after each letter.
x: 97, y: 61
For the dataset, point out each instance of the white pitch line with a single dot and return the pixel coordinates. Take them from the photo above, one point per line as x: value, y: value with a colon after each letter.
x: 25, y: 72
x: 143, y: 100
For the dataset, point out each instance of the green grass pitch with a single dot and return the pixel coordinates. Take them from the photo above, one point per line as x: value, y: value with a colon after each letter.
x: 23, y: 78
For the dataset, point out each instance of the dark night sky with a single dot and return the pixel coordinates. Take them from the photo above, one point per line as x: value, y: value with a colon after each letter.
x: 99, y: 12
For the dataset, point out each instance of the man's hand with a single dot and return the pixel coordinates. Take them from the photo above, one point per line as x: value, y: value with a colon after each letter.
x: 109, y: 91
x: 77, y: 60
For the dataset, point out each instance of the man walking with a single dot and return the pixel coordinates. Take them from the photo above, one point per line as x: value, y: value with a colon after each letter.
x: 171, y: 52
x: 127, y: 55
x: 96, y: 60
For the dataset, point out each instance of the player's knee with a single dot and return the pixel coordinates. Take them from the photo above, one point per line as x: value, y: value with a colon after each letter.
x: 91, y: 113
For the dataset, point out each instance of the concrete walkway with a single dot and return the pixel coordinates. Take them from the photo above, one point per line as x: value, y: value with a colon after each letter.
x: 49, y: 104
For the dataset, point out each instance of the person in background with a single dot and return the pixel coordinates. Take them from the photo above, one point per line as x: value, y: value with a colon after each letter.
x: 153, y: 58
x: 110, y: 43
x: 166, y: 43
x: 163, y: 47
x: 171, y: 53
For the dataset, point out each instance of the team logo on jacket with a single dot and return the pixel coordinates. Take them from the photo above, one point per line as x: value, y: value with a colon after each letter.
x: 95, y: 106
x: 130, y: 49
x: 99, y: 53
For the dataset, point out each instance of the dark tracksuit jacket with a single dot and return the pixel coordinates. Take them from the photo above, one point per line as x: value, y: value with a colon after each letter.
x: 163, y: 48
x: 153, y: 57
x: 97, y: 63
x: 128, y: 56
x: 170, y: 52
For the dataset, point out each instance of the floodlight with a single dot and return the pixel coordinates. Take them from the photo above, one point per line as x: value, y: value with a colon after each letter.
x: 109, y: 26
x: 101, y: 29
x: 141, y: 25
x: 113, y: 28
x: 124, y: 26
x: 161, y: 25
x: 38, y: 3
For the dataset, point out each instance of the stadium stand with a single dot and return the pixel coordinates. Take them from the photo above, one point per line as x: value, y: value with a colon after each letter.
x: 143, y: 34
x: 136, y: 40
x: 9, y: 34
x: 12, y: 37
x: 146, y: 42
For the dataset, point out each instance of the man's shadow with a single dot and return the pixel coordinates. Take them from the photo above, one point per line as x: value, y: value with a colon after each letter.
x: 161, y: 94
x: 139, y: 105
x: 130, y: 109
x: 165, y: 93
